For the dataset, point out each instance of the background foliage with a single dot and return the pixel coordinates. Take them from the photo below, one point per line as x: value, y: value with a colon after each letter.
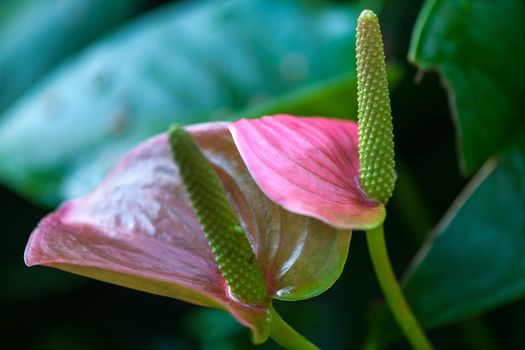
x: 81, y: 81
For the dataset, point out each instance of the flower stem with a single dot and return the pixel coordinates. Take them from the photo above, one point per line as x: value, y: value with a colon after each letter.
x: 286, y: 336
x: 393, y: 294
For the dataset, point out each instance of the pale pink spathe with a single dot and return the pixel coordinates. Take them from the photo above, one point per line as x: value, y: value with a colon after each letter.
x: 137, y: 229
x: 309, y: 166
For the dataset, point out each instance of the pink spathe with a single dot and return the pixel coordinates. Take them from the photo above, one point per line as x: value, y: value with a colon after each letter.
x: 309, y: 166
x: 137, y: 229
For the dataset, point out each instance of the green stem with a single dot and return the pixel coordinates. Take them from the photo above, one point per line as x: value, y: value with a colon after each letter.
x: 286, y: 336
x: 393, y: 294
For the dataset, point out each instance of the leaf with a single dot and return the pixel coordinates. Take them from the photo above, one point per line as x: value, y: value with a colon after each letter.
x: 476, y: 259
x: 309, y: 166
x: 138, y: 230
x: 481, y: 57
x: 36, y: 35
x: 328, y: 98
x: 185, y: 63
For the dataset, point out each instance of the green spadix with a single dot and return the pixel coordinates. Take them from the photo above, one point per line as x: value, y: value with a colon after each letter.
x: 228, y: 241
x: 376, y: 138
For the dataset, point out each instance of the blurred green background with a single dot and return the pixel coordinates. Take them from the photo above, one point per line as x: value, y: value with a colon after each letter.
x: 82, y: 81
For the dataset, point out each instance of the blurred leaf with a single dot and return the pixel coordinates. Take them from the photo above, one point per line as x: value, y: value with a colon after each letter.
x: 186, y: 63
x: 329, y: 98
x: 476, y: 259
x: 477, y: 46
x: 36, y: 34
x: 326, y: 98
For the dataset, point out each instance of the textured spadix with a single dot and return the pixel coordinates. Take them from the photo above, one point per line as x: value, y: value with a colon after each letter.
x: 226, y: 238
x: 138, y: 229
x: 308, y: 166
x: 376, y: 138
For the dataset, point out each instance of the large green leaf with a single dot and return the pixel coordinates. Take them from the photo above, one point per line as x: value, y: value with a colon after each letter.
x: 477, y: 46
x: 36, y: 34
x: 475, y: 261
x: 186, y: 63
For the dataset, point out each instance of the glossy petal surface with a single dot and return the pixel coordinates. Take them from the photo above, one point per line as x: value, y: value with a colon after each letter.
x: 137, y: 229
x: 309, y: 166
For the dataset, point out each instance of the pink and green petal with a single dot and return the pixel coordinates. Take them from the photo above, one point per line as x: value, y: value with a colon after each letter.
x: 309, y: 166
x: 138, y: 230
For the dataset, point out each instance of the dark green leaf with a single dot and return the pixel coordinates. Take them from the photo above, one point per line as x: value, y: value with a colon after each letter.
x: 35, y: 35
x: 477, y: 46
x: 186, y: 63
x: 476, y: 259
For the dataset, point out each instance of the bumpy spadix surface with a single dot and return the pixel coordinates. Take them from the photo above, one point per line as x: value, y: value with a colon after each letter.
x: 308, y: 166
x: 138, y: 230
x: 228, y: 241
x: 376, y: 138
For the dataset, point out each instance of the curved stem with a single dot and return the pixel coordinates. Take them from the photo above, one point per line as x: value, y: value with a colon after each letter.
x: 393, y: 294
x: 286, y: 336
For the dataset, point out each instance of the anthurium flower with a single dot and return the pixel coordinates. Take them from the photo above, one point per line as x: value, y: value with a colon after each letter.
x: 233, y: 216
x: 138, y: 229
x: 309, y: 166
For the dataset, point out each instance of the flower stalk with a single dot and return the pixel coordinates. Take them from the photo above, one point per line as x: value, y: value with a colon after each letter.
x: 377, y: 166
x: 392, y: 291
x: 286, y: 336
